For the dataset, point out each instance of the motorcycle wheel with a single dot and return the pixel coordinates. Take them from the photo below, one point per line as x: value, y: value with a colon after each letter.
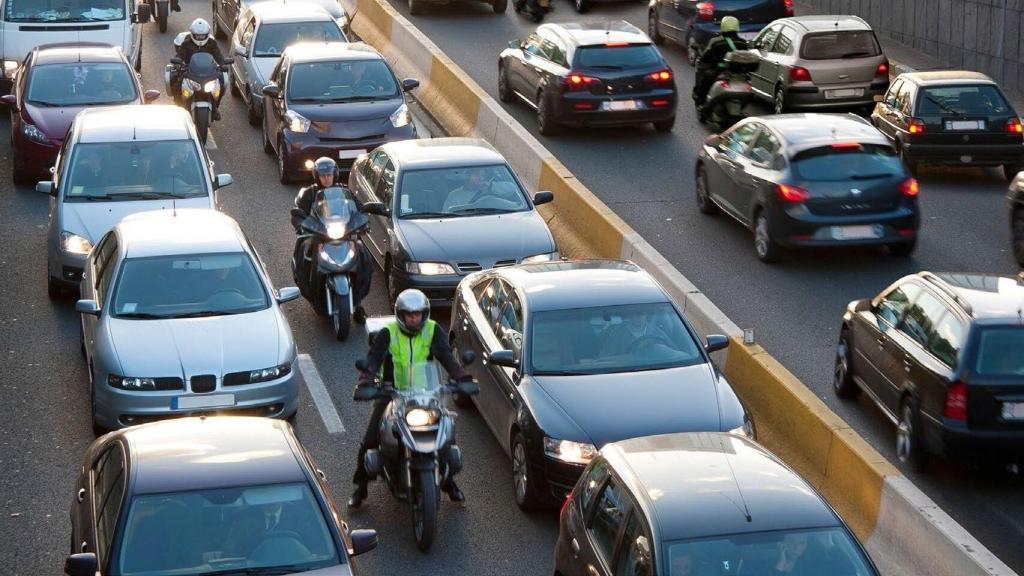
x: 161, y: 15
x: 202, y: 120
x: 341, y: 316
x: 424, y: 504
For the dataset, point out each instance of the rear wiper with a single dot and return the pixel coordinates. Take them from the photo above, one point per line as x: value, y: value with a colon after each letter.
x: 943, y: 106
x: 870, y: 176
x: 856, y: 54
x: 141, y: 316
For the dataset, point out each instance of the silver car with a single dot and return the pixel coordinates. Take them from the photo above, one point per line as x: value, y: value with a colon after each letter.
x: 820, y: 63
x: 118, y: 161
x: 179, y: 317
x: 263, y: 33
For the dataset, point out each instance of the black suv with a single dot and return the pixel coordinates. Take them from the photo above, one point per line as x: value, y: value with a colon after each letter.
x: 941, y: 355
x: 692, y: 23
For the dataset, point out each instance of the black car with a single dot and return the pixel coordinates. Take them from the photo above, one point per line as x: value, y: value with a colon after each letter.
x: 589, y: 74
x: 951, y: 117
x: 700, y: 504
x: 335, y: 99
x: 940, y: 354
x: 809, y: 180
x: 577, y: 354
x: 1016, y: 198
x: 692, y: 23
x: 207, y: 495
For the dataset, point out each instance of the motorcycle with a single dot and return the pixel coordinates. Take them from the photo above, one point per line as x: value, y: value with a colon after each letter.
x: 731, y: 93
x: 416, y: 455
x: 201, y: 84
x: 534, y: 9
x: 327, y: 256
x: 161, y: 11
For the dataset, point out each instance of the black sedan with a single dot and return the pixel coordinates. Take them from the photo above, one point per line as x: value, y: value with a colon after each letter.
x: 216, y: 495
x: 579, y: 354
x: 443, y: 208
x: 1016, y: 198
x: 332, y: 99
x: 700, y: 505
x: 809, y: 180
x: 589, y: 74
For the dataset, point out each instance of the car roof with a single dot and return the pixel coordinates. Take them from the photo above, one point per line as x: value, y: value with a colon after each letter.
x: 569, y: 284
x: 70, y: 52
x: 203, y: 453
x: 811, y: 130
x: 702, y: 484
x: 317, y: 51
x: 597, y: 33
x: 144, y: 123
x: 982, y: 296
x: 181, y: 231
x: 827, y: 23
x: 442, y: 153
x: 946, y: 77
x: 274, y: 12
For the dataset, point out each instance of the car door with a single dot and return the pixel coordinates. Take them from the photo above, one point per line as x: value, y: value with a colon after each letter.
x: 730, y: 163
x: 635, y: 555
x: 604, y: 527
x: 274, y: 108
x: 933, y: 376
x: 762, y: 80
x: 757, y: 170
x: 484, y: 341
x: 591, y: 482
x: 105, y: 497
x: 508, y: 329
x: 97, y: 286
x: 909, y: 361
x: 517, y: 76
x: 884, y: 115
x: 871, y: 339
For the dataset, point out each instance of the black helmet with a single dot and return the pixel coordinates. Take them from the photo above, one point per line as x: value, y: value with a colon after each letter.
x: 408, y: 301
x: 324, y: 166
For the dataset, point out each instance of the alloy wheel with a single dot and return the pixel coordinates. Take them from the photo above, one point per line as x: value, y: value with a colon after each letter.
x: 905, y: 434
x: 761, y: 238
x: 519, y: 476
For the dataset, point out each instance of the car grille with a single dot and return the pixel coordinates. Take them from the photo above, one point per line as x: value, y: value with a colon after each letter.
x: 171, y: 383
x: 236, y: 378
x: 374, y: 137
x: 203, y: 383
x: 467, y: 267
x: 504, y: 263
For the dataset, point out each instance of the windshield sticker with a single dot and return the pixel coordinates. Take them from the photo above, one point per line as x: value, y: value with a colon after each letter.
x: 77, y: 190
x: 129, y: 307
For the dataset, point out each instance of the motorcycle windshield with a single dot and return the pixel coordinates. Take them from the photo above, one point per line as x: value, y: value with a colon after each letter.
x: 338, y: 213
x: 424, y: 381
x: 202, y: 65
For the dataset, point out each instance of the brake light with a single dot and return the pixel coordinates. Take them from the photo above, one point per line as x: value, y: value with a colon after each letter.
x: 799, y: 74
x: 956, y: 401
x: 616, y: 44
x: 788, y: 6
x: 1013, y: 126
x: 910, y: 188
x: 882, y: 70
x: 915, y: 126
x: 660, y: 76
x: 846, y: 145
x: 792, y: 193
x: 659, y: 103
x: 706, y: 11
x: 583, y: 106
x: 577, y: 81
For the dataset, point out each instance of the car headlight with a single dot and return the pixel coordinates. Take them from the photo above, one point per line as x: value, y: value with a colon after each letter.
x: 34, y: 134
x: 428, y: 268
x: 296, y: 122
x: 10, y: 68
x: 401, y: 116
x: 272, y: 373
x: 75, y: 244
x: 335, y: 230
x: 569, y: 451
x: 540, y: 258
x: 418, y: 417
x: 131, y: 382
x: 746, y: 430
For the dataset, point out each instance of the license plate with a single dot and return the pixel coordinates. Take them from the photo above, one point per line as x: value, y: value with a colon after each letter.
x: 844, y: 93
x: 1013, y: 410
x: 966, y: 159
x: 965, y: 124
x: 620, y: 105
x: 854, y: 232
x: 204, y: 401
x: 350, y: 154
x: 748, y: 35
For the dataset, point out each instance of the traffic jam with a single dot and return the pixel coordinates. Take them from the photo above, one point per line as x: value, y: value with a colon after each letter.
x: 601, y: 396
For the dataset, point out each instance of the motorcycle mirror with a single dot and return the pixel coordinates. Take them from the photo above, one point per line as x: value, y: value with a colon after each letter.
x: 150, y: 96
x: 713, y: 140
x: 365, y: 393
x: 468, y: 357
x: 376, y: 208
x: 175, y: 60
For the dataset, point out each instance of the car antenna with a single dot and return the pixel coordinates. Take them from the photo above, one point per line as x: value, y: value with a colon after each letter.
x: 745, y: 510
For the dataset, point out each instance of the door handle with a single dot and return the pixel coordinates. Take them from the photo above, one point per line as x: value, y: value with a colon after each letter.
x: 81, y: 494
x: 575, y: 545
x: 881, y: 342
x: 906, y: 364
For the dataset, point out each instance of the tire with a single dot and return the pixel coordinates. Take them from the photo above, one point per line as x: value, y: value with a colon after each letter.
x: 81, y: 340
x: 161, y: 15
x: 902, y: 249
x: 252, y: 113
x: 665, y: 125
x: 282, y: 164
x: 341, y: 317
x: 909, y: 446
x: 1017, y: 234
x: 652, y: 28
x: 524, y: 483
x: 267, y: 146
x: 545, y: 122
x: 1010, y: 171
x: 423, y: 505
x: 416, y: 7
x: 842, y: 376
x: 505, y: 93
x: 499, y: 6
x: 53, y: 289
x: 764, y: 246
x: 704, y: 202
x: 235, y: 91
x: 581, y: 6
x: 779, y: 101
x: 97, y: 428
x: 389, y: 284
x: 202, y: 118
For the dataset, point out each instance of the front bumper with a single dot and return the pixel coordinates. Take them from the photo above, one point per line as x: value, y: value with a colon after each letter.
x: 955, y: 441
x: 302, y: 146
x: 811, y: 97
x: 440, y: 289
x: 568, y: 112
x: 964, y: 154
x: 560, y: 477
x: 32, y: 157
x: 795, y: 226
x: 66, y: 267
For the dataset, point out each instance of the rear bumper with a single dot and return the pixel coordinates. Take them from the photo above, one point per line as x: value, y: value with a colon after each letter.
x: 965, y: 154
x: 813, y: 97
x: 795, y: 227
x: 959, y: 443
x: 655, y: 107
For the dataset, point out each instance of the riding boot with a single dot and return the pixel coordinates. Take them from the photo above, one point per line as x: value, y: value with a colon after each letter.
x: 452, y: 489
x: 356, y: 500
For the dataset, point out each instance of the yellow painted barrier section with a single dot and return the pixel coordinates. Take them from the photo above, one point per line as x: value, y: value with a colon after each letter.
x: 452, y: 97
x: 583, y: 226
x: 373, y: 22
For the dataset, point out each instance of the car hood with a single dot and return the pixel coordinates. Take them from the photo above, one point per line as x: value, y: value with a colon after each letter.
x: 612, y: 407
x: 481, y: 239
x: 53, y: 121
x: 188, y: 346
x: 350, y: 120
x: 93, y: 219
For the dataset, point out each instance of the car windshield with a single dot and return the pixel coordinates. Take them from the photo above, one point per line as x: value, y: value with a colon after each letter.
x: 609, y: 339
x: 999, y: 352
x: 983, y: 100
x: 846, y: 162
x: 241, y: 530
x: 138, y: 170
x: 80, y: 84
x: 460, y: 191
x: 839, y: 45
x: 822, y: 551
x: 63, y: 11
x: 272, y: 39
x: 341, y: 81
x: 617, y: 57
x: 188, y: 286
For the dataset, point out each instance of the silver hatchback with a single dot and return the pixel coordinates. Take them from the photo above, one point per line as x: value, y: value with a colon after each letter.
x: 820, y: 63
x: 179, y: 317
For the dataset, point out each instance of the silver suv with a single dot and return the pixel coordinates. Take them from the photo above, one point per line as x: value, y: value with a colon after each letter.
x: 820, y: 62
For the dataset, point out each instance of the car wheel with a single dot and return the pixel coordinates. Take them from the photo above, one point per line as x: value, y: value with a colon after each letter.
x: 581, y: 6
x: 909, y: 447
x: 282, y: 164
x: 235, y: 90
x: 704, y: 202
x: 545, y: 122
x: 842, y: 381
x: 389, y: 284
x: 267, y: 146
x: 252, y: 113
x: 138, y: 61
x: 1010, y: 171
x: 665, y: 125
x: 53, y: 289
x: 902, y: 249
x: 499, y: 6
x: 765, y: 247
x: 652, y: 28
x: 779, y: 101
x: 504, y: 90
x: 81, y: 339
x: 1017, y: 231
x: 524, y: 481
x: 97, y: 428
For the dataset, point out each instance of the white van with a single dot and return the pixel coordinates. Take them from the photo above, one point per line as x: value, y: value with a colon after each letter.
x: 25, y: 24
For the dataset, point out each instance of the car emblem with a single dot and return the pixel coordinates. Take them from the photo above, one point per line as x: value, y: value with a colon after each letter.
x: 855, y: 191
x: 844, y: 76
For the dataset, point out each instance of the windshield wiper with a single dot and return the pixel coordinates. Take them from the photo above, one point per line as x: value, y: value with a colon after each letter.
x: 944, y: 106
x: 261, y: 571
x: 95, y: 197
x: 147, y: 195
x: 870, y: 176
x: 478, y: 211
x: 141, y: 316
x: 46, y: 104
x: 205, y: 313
x: 421, y: 215
x: 357, y: 99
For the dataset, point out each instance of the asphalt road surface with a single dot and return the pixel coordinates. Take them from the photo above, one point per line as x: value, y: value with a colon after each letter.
x: 794, y: 307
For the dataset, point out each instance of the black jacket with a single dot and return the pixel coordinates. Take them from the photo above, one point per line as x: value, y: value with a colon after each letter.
x: 188, y: 48
x: 714, y: 53
x: 439, y: 350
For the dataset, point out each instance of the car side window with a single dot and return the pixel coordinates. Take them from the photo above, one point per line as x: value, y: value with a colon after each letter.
x: 891, y: 307
x: 635, y: 553
x: 948, y: 339
x: 386, y: 186
x: 247, y: 34
x: 890, y: 96
x: 904, y: 98
x: 608, y: 517
x: 491, y: 300
x: 105, y: 266
x: 765, y: 148
x: 595, y: 478
x: 740, y: 138
x: 767, y: 38
x: 107, y: 490
x: 549, y: 49
x: 510, y: 324
x: 921, y: 318
x: 373, y: 167
x: 533, y: 44
x: 784, y: 45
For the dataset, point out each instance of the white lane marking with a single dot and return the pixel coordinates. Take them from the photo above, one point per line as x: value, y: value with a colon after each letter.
x: 328, y: 413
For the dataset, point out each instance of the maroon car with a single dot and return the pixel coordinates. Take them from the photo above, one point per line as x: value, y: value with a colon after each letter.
x: 54, y: 83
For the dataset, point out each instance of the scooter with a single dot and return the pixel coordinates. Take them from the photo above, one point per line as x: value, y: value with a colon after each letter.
x: 731, y: 93
x: 534, y: 9
x: 161, y: 12
x: 201, y: 85
x: 327, y: 256
x: 416, y: 455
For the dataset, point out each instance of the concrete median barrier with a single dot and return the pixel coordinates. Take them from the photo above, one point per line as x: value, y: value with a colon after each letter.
x: 906, y: 533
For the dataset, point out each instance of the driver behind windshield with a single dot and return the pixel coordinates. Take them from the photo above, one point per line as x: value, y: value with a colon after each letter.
x: 627, y: 336
x: 477, y: 190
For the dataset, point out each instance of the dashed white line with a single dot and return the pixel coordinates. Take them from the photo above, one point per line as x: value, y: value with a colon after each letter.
x: 322, y: 399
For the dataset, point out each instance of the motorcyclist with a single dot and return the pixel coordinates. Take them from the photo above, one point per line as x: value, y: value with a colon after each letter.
x: 196, y: 40
x: 325, y: 172
x: 412, y: 337
x: 712, y: 59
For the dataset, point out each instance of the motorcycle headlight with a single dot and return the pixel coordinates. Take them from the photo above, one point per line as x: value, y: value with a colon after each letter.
x: 548, y: 257
x: 75, y: 244
x: 189, y: 87
x: 296, y: 122
x: 569, y: 451
x: 428, y: 268
x: 211, y: 86
x: 34, y: 134
x: 401, y: 116
x: 746, y: 430
x: 419, y: 417
x: 335, y: 230
x: 10, y: 68
x: 131, y: 382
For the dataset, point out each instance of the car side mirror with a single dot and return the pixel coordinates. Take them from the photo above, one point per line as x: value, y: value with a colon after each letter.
x: 515, y: 44
x: 46, y: 187
x: 223, y: 180
x: 505, y: 358
x: 87, y: 307
x: 11, y: 101
x: 715, y: 342
x: 240, y: 51
x: 363, y: 541
x: 84, y: 564
x: 150, y: 96
x: 272, y: 90
x: 542, y: 197
x: 143, y: 12
x: 713, y: 140
x: 376, y: 208
x: 468, y: 358
x: 287, y: 294
x: 410, y: 84
x: 177, y: 61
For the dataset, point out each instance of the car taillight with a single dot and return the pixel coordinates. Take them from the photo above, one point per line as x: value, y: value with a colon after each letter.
x: 882, y: 70
x: 910, y: 188
x: 956, y: 401
x: 787, y: 5
x: 915, y: 126
x: 1013, y: 126
x: 661, y: 76
x: 799, y: 74
x: 792, y: 193
x: 706, y: 11
x: 577, y: 81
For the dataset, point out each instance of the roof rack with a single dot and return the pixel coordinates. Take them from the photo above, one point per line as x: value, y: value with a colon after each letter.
x: 939, y: 283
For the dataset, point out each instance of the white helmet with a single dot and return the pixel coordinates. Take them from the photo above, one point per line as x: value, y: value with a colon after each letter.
x: 199, y: 31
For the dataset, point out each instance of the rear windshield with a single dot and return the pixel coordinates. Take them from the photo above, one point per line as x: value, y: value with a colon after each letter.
x: 858, y: 162
x: 838, y: 45
x: 984, y: 100
x: 999, y: 352
x: 272, y: 39
x: 617, y: 57
x: 63, y: 11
